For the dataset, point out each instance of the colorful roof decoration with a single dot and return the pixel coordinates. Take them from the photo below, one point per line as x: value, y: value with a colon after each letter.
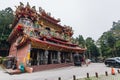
x: 41, y: 30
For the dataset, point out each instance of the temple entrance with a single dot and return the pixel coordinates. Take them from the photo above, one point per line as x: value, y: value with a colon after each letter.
x: 33, y: 57
x: 66, y: 57
x: 49, y: 58
x: 42, y: 57
x: 37, y: 57
x: 62, y: 57
x: 52, y: 57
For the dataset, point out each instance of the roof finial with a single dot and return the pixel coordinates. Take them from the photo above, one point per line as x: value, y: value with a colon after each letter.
x: 21, y: 4
x: 40, y: 9
x: 34, y: 8
x: 28, y: 4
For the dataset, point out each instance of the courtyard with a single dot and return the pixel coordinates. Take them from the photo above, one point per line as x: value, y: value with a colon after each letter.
x: 66, y: 73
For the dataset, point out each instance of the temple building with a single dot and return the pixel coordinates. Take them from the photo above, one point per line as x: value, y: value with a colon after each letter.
x: 39, y: 41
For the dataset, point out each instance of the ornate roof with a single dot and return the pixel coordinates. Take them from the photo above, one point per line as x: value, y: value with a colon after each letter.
x: 29, y: 15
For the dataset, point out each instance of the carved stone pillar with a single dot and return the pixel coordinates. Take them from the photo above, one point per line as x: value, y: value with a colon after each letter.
x: 46, y: 56
x: 38, y: 57
x: 58, y: 57
x: 71, y: 57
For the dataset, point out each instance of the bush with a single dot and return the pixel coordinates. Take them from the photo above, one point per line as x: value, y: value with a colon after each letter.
x: 0, y: 60
x: 3, y: 59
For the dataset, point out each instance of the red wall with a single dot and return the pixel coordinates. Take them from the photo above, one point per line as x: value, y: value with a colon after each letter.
x: 21, y: 53
x: 13, y: 50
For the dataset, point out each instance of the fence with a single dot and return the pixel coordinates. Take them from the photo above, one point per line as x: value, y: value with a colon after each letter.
x: 106, y: 76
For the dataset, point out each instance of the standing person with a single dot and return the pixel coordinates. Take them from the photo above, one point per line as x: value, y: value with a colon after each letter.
x: 81, y: 60
x: 88, y: 61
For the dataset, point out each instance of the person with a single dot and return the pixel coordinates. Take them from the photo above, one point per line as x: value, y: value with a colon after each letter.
x: 83, y: 60
x: 88, y: 61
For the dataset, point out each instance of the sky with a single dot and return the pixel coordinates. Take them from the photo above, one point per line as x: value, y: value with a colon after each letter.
x: 89, y: 18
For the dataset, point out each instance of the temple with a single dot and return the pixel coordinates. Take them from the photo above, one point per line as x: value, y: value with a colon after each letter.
x: 39, y: 41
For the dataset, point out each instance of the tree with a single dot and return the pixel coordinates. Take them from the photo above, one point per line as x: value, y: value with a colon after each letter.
x: 81, y: 41
x: 92, y: 49
x: 6, y: 18
x: 109, y: 41
x: 118, y: 47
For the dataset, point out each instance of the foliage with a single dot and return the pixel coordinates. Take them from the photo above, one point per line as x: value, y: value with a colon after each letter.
x: 109, y: 42
x: 81, y: 41
x: 2, y: 59
x: 92, y: 49
x: 6, y: 18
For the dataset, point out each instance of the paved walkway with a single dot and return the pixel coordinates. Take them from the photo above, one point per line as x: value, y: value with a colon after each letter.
x: 65, y: 73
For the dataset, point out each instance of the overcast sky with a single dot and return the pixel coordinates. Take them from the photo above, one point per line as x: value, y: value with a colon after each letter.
x: 89, y: 18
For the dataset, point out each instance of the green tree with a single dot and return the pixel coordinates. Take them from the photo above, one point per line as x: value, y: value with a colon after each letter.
x: 6, y: 18
x: 118, y: 47
x: 81, y: 41
x: 109, y: 41
x: 92, y: 49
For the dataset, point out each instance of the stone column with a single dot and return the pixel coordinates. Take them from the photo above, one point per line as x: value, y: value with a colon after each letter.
x: 71, y: 57
x: 46, y: 56
x: 38, y: 57
x: 51, y: 58
x: 58, y: 57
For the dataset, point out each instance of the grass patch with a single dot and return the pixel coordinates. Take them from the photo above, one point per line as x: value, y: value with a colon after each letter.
x: 91, y: 78
x: 103, y: 77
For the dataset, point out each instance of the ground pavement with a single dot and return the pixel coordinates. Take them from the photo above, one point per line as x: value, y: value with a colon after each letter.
x: 65, y: 73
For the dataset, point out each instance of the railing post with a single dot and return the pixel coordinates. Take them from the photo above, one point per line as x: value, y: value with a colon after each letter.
x: 118, y: 71
x: 106, y: 73
x: 96, y: 74
x: 87, y: 75
x: 74, y: 77
x: 59, y: 78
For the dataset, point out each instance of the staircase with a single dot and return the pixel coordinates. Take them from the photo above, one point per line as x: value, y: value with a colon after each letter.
x: 50, y: 66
